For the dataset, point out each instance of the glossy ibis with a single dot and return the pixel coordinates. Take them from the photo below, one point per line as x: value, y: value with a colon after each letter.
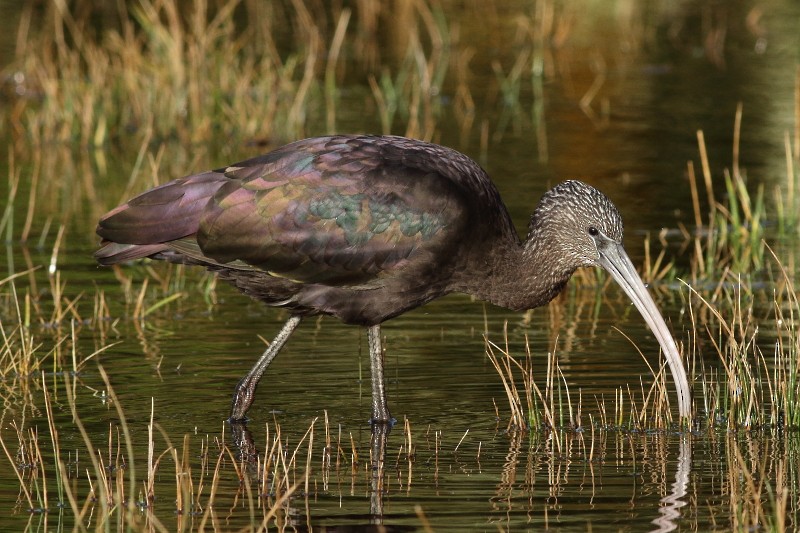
x: 365, y: 228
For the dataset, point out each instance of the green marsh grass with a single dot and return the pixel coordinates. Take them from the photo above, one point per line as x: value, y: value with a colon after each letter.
x: 757, y: 384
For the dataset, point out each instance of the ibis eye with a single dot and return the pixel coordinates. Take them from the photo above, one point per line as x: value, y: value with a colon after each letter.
x: 594, y: 232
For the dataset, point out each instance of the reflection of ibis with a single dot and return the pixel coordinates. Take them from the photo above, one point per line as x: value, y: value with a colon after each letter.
x: 365, y: 228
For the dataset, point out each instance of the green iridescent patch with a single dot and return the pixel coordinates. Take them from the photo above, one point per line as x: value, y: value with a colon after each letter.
x: 349, y: 213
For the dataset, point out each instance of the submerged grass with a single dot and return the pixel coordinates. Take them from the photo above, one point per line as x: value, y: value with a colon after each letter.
x: 553, y: 406
x: 138, y: 477
x: 126, y: 483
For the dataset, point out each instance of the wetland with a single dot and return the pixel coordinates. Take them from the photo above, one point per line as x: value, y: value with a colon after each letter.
x: 117, y: 382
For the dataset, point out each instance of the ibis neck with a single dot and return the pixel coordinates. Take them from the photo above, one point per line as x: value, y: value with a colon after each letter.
x: 517, y: 276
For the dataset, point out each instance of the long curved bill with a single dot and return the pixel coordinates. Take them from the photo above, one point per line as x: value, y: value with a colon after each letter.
x: 615, y: 260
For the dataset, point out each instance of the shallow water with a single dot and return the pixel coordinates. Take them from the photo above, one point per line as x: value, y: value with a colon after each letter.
x: 466, y: 470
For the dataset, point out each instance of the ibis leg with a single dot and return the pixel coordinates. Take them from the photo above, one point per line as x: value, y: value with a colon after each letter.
x: 245, y: 390
x: 379, y: 439
x: 380, y: 411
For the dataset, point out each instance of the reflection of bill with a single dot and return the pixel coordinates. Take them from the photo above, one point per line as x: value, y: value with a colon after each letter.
x: 672, y: 502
